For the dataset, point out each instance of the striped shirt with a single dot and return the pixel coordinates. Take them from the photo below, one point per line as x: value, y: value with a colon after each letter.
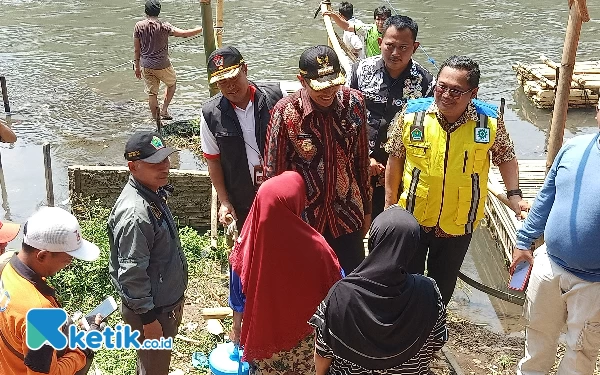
x: 418, y: 364
x: 329, y: 149
x: 154, y: 42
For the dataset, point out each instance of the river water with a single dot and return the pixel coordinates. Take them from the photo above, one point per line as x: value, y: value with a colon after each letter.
x: 49, y: 50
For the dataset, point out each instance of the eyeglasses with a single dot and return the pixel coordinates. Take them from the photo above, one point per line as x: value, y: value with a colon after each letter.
x: 453, y: 93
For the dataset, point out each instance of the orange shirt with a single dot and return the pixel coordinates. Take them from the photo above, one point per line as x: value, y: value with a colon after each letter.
x: 28, y: 290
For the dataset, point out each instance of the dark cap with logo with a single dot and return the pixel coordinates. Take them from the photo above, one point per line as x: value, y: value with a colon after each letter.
x: 320, y: 68
x: 147, y: 146
x: 224, y: 63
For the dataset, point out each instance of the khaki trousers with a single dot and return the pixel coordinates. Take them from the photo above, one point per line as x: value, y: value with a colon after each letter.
x: 556, y: 297
x: 154, y: 362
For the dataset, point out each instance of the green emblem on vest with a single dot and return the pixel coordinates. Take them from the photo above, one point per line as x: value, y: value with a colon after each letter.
x: 416, y: 134
x: 482, y: 135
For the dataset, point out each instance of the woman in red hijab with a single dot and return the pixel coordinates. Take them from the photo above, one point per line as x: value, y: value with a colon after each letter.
x: 281, y: 270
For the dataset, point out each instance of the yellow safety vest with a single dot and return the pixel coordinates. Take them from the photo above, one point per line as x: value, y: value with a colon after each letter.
x: 445, y: 174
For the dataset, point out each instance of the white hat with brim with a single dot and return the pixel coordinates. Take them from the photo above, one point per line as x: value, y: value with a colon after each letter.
x: 56, y: 230
x: 225, y: 74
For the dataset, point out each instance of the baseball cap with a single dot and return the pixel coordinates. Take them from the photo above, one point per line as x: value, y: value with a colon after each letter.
x: 320, y: 67
x: 147, y: 146
x: 56, y: 230
x: 8, y: 231
x: 224, y: 63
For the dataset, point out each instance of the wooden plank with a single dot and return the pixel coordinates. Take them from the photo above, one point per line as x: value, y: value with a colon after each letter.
x: 501, y: 220
x: 217, y: 313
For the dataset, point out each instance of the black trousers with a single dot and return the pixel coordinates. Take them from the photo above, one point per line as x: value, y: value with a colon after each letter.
x: 444, y: 258
x: 378, y: 200
x: 349, y: 249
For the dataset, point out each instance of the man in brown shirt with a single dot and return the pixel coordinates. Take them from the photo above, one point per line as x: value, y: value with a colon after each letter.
x: 151, y: 47
x: 320, y: 132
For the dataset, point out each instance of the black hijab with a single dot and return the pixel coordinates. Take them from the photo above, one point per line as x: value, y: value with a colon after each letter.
x: 379, y: 316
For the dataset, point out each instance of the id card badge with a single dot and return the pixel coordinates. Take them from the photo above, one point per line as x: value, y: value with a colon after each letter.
x: 259, y: 176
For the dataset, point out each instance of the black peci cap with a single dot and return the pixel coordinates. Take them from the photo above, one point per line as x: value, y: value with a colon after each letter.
x: 224, y: 63
x: 320, y: 67
x: 147, y: 146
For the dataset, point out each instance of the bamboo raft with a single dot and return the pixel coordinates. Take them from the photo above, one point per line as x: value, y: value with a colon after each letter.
x: 539, y: 82
x: 501, y: 220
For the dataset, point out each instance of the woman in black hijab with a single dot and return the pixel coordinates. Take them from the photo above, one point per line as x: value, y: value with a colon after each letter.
x: 380, y: 319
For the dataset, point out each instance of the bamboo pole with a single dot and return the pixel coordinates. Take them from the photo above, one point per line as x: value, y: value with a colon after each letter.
x: 577, y: 15
x: 4, y: 192
x: 5, y: 95
x: 344, y: 60
x: 214, y: 218
x: 209, y: 36
x: 219, y: 23
x: 48, y: 173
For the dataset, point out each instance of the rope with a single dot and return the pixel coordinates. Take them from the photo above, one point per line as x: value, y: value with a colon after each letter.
x: 429, y: 58
x: 120, y: 65
x: 508, y: 297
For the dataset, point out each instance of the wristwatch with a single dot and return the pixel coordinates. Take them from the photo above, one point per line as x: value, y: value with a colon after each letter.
x: 510, y: 193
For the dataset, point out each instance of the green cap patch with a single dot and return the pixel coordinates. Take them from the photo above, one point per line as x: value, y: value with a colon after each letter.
x: 156, y: 142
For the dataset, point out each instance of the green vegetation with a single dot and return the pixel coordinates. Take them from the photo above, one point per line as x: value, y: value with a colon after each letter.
x: 184, y: 134
x: 83, y: 285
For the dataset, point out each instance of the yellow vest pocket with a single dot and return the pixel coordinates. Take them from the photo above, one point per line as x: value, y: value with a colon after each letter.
x: 464, y: 205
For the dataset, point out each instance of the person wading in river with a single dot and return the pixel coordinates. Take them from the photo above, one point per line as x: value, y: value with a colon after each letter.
x: 151, y: 49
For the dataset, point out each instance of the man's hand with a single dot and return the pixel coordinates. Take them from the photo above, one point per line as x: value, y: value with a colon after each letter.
x: 331, y: 14
x: 366, y: 225
x: 138, y: 71
x: 519, y: 206
x: 518, y: 256
x: 153, y: 330
x: 376, y: 168
x: 97, y: 322
x: 225, y: 209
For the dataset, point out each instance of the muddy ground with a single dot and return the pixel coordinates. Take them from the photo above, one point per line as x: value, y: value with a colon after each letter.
x: 473, y: 348
x: 479, y: 351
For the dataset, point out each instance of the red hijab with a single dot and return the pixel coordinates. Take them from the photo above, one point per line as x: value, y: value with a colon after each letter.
x: 286, y: 268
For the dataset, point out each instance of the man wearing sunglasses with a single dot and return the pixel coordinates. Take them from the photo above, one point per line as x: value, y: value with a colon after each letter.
x: 440, y: 151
